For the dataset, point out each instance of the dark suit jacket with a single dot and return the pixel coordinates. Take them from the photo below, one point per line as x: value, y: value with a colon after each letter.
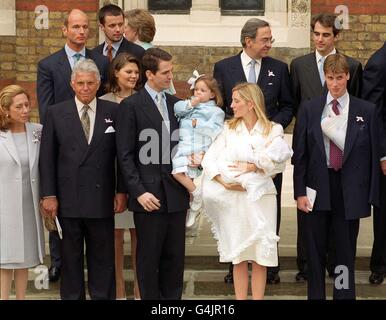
x: 140, y: 128
x: 54, y: 78
x: 306, y: 83
x: 276, y: 89
x: 374, y: 86
x: 126, y: 46
x: 82, y: 176
x: 360, y: 170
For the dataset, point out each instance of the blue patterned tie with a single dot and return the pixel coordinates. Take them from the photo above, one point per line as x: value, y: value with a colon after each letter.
x: 252, y: 72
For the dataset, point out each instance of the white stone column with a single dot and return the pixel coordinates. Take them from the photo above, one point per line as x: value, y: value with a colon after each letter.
x: 7, y: 18
x: 205, y: 11
x: 134, y: 4
x: 275, y: 11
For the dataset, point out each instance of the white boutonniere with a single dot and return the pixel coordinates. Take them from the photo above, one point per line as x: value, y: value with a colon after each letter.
x: 270, y: 73
x: 108, y: 120
x: 360, y: 119
x: 36, y: 136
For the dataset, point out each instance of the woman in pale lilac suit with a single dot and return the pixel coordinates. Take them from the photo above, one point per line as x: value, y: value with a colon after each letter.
x: 21, y: 228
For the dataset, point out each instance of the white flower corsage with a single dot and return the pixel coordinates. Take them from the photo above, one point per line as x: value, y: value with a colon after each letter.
x: 270, y: 73
x: 37, y: 135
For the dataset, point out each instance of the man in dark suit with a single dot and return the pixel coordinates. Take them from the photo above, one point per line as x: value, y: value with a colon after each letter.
x: 53, y: 86
x: 254, y: 65
x: 77, y: 169
x: 111, y: 22
x: 54, y: 71
x: 340, y: 162
x: 374, y: 90
x: 146, y: 135
x: 307, y: 79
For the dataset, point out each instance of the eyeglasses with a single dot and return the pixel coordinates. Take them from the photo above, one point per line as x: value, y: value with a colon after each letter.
x: 267, y: 40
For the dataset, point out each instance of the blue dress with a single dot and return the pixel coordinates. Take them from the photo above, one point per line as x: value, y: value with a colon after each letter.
x: 199, y: 126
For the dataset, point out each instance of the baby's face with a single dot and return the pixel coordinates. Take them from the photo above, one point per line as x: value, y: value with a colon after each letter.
x: 202, y: 92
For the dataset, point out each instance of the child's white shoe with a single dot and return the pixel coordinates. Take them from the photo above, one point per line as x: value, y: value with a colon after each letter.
x: 196, y: 203
x: 191, y: 218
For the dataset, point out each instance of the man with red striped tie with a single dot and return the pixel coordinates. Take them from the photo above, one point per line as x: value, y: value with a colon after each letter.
x: 336, y: 154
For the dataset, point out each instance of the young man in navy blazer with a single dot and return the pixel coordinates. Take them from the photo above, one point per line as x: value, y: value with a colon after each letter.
x: 253, y: 64
x: 340, y: 162
x: 307, y: 79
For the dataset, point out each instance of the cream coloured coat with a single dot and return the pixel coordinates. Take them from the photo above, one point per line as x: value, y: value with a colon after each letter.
x: 11, y: 214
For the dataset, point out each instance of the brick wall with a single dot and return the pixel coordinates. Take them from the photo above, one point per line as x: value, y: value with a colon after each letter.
x: 7, y: 60
x: 186, y: 59
x: 20, y: 55
x: 367, y: 25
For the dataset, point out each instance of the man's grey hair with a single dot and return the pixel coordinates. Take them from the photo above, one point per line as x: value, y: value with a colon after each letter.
x: 250, y: 29
x: 86, y: 65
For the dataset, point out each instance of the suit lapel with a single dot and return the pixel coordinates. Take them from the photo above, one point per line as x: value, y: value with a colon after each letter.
x: 150, y: 109
x: 312, y: 73
x: 263, y: 72
x: 237, y: 70
x: 73, y: 125
x: 32, y: 145
x: 317, y: 124
x: 172, y: 118
x: 352, y: 130
x: 10, y: 145
x: 65, y: 69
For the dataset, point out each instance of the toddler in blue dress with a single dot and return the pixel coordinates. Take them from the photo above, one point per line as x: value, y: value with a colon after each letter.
x: 200, y: 120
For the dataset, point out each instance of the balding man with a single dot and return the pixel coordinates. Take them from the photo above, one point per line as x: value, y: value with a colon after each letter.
x: 53, y: 86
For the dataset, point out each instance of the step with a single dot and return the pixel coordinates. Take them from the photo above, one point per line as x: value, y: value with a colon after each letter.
x: 209, y: 284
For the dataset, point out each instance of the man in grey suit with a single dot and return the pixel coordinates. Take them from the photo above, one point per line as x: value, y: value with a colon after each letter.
x: 307, y: 80
x: 53, y: 86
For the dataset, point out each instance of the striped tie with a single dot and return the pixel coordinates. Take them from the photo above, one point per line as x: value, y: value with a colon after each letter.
x: 85, y: 120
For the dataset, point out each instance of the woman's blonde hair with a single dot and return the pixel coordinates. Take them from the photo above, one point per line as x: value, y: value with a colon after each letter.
x: 250, y: 92
x: 6, y: 100
x: 142, y: 21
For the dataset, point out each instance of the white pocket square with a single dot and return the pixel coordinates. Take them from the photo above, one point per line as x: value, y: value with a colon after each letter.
x: 110, y: 130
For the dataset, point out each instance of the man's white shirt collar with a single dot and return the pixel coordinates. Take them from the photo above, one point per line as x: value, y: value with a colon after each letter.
x: 70, y: 53
x: 319, y: 56
x: 245, y: 59
x: 342, y: 100
x: 115, y: 46
x: 92, y: 104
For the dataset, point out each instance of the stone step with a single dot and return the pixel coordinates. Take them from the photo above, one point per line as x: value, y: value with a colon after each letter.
x: 209, y: 284
x: 200, y: 263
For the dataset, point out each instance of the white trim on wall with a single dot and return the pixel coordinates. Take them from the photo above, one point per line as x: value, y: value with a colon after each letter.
x: 7, y: 18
